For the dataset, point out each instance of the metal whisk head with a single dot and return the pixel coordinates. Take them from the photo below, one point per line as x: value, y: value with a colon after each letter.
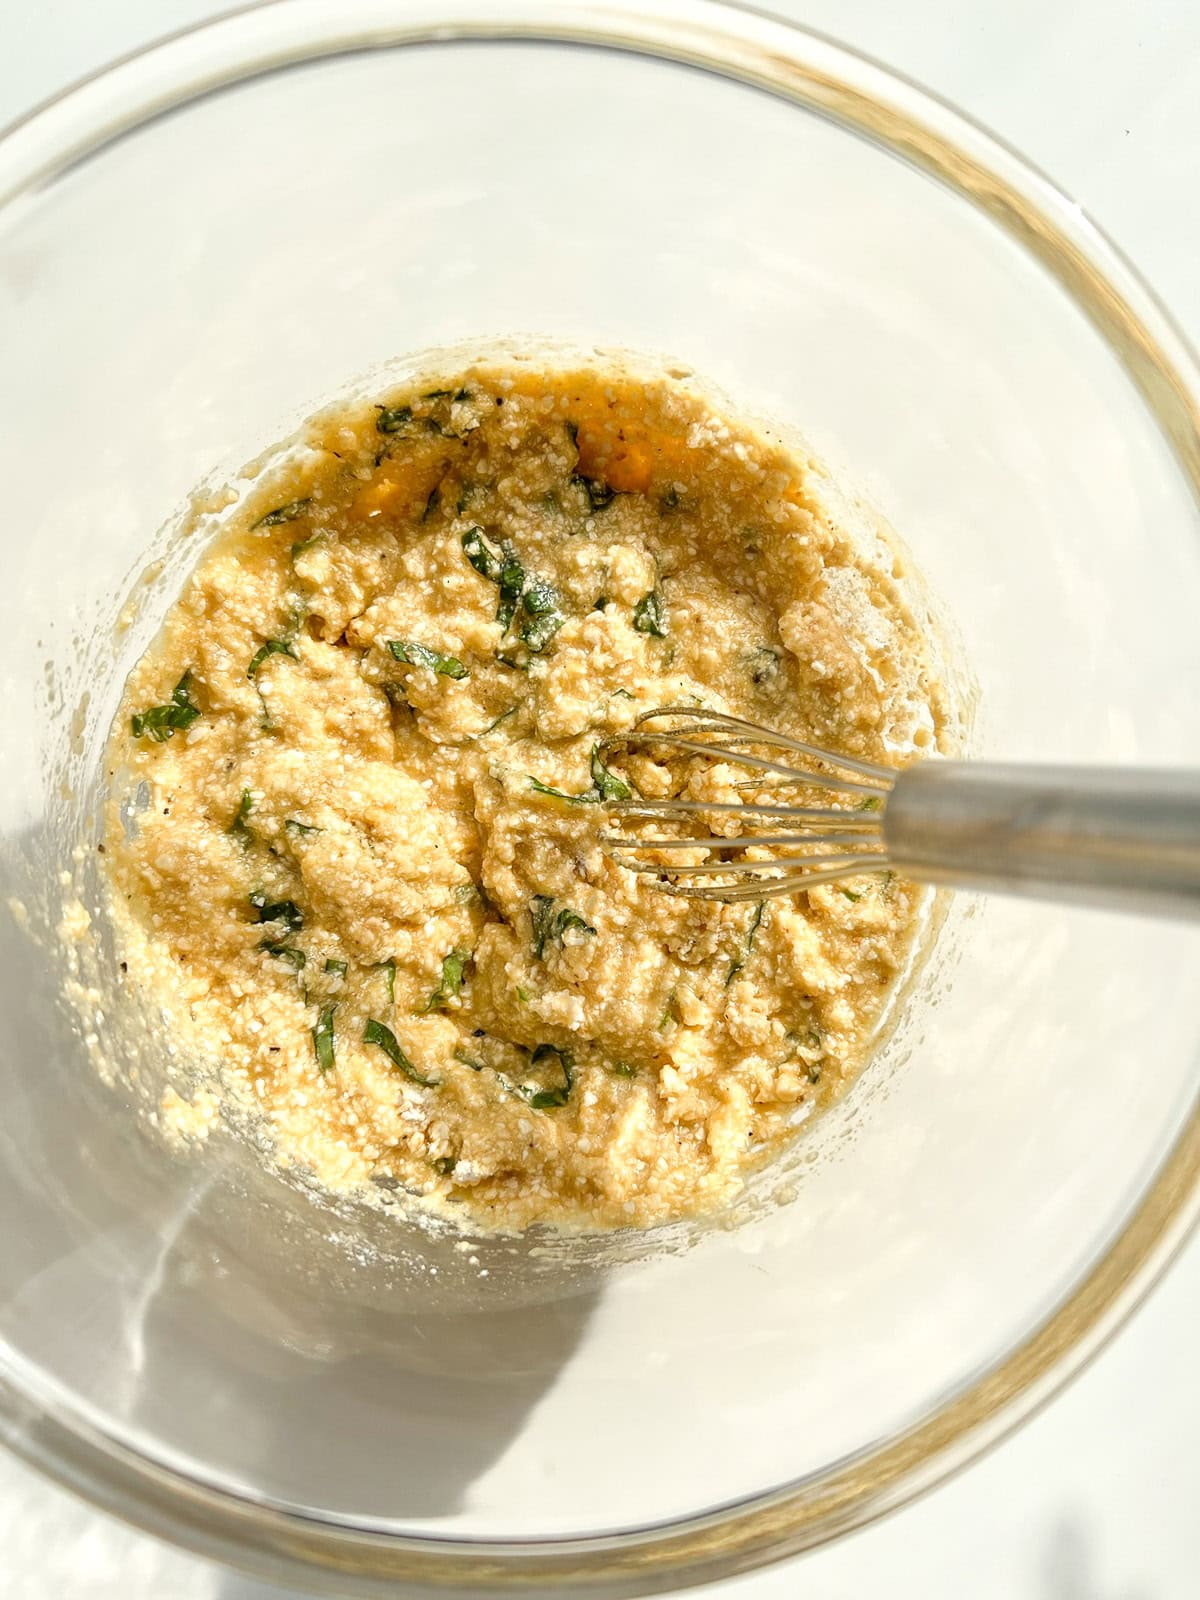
x: 822, y: 813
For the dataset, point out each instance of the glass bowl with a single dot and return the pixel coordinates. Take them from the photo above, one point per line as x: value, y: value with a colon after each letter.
x: 199, y: 245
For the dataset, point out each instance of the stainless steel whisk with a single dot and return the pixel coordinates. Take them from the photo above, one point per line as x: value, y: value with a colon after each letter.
x: 1127, y: 838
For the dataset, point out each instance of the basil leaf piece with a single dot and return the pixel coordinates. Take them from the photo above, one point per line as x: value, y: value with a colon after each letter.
x: 454, y: 968
x: 739, y: 962
x: 608, y: 785
x: 541, y: 603
x: 322, y: 1037
x: 238, y: 827
x: 541, y: 912
x: 281, y: 514
x: 588, y: 798
x: 598, y: 493
x: 160, y: 722
x: 271, y: 647
x: 421, y: 655
x: 394, y: 419
x: 649, y: 616
x: 388, y: 968
x: 488, y: 563
x: 284, y: 952
x: 376, y: 1033
x: 548, y: 1099
x: 285, y: 911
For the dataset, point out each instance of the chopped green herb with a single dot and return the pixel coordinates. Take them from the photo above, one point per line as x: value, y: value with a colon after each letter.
x: 285, y: 911
x: 541, y: 603
x: 811, y: 1039
x: 538, y: 634
x: 588, y: 798
x: 464, y: 893
x: 284, y: 952
x: 648, y: 615
x: 488, y: 563
x: 871, y: 803
x: 444, y: 1164
x: 420, y: 655
x: 622, y: 1069
x: 454, y: 968
x: 322, y: 1036
x: 739, y: 962
x: 598, y: 494
x: 337, y: 968
x: 669, y: 500
x: 299, y: 829
x: 393, y: 419
x: 507, y: 660
x: 238, y: 827
x: 272, y: 647
x: 608, y: 785
x: 851, y: 896
x: 549, y: 925
x: 621, y: 694
x: 519, y: 590
x: 287, y: 513
x: 437, y: 394
x: 670, y: 1013
x: 572, y: 432
x: 377, y: 1033
x: 512, y: 586
x: 160, y: 722
x: 541, y: 912
x: 764, y: 664
x: 605, y: 785
x: 301, y: 545
x: 388, y: 968
x: 495, y: 723
x: 468, y: 1061
x: 569, y: 921
x: 431, y: 503
x: 546, y: 1099
x: 541, y: 598
x: 524, y: 995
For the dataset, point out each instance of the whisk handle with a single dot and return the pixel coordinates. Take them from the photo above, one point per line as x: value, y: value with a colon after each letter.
x: 1124, y: 838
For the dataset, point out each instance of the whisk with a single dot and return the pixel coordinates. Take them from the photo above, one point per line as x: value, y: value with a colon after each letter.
x: 1127, y: 838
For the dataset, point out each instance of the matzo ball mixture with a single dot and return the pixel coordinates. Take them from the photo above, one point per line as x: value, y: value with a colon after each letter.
x: 367, y: 885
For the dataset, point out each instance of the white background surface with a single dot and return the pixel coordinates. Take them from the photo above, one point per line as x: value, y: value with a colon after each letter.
x: 1096, y: 1499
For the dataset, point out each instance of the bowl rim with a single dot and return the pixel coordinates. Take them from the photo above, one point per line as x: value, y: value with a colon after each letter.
x: 819, y: 76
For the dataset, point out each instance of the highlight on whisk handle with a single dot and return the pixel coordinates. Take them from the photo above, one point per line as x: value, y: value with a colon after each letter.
x: 1120, y: 837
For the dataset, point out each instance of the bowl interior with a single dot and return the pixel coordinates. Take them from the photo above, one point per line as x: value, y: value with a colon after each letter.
x: 183, y: 295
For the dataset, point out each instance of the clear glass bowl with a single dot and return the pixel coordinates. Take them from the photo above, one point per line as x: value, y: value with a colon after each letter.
x: 198, y: 245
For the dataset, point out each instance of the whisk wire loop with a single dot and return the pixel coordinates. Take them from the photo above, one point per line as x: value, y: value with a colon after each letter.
x: 838, y: 840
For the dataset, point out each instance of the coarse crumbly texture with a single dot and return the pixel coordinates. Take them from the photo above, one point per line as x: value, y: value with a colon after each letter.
x: 348, y: 894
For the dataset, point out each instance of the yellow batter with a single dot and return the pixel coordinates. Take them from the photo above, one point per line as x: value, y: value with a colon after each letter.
x: 351, y: 887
